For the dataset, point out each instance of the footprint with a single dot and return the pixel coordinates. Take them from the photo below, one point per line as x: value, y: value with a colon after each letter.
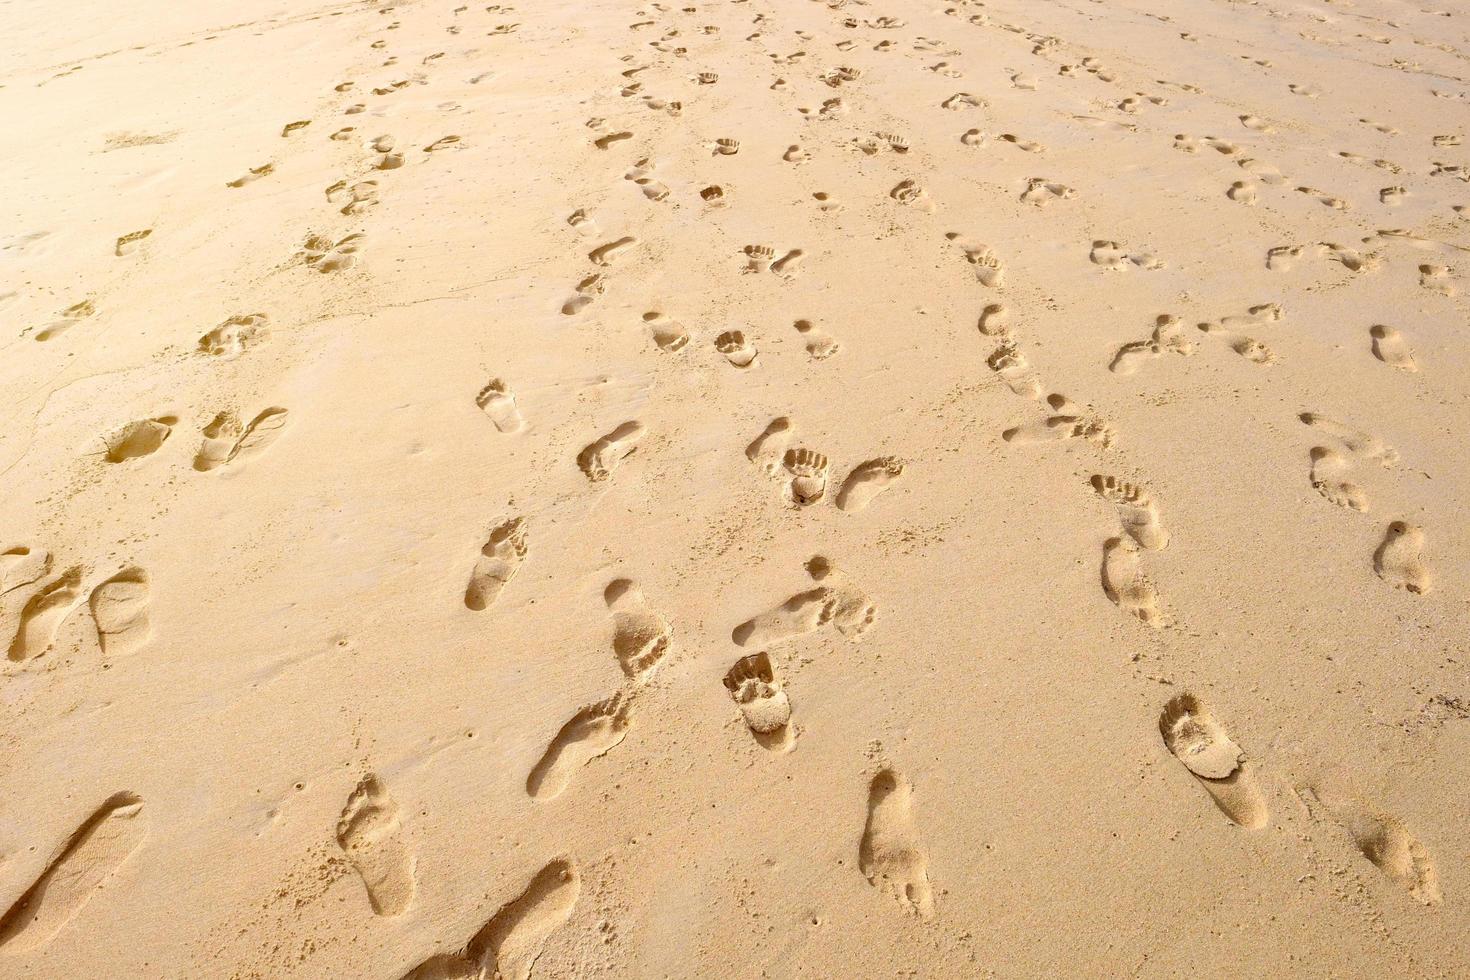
x: 598, y: 459
x: 910, y: 193
x: 587, y: 290
x: 325, y: 255
x: 510, y: 943
x: 1384, y: 841
x: 500, y: 559
x: 1125, y: 584
x: 120, y: 610
x: 1392, y: 196
x: 604, y: 254
x: 43, y: 614
x: 359, y: 197
x: 993, y: 319
x: 1041, y: 192
x: 499, y: 402
x: 1397, y: 560
x: 668, y: 334
x: 69, y: 318
x: 1282, y: 257
x: 235, y: 335
x: 1325, y: 199
x: 590, y: 734
x: 225, y: 440
x: 1167, y: 337
x: 252, y: 175
x: 1436, y: 278
x: 787, y: 265
x: 1359, y: 443
x: 1069, y: 423
x: 758, y: 258
x: 1247, y: 347
x: 1111, y: 255
x: 726, y: 147
x: 818, y: 344
x: 808, y: 470
x: 1390, y: 347
x: 86, y: 864
x: 603, y: 142
x: 1013, y: 368
x: 988, y: 268
x: 1242, y: 192
x: 1328, y: 468
x: 753, y: 685
x: 737, y: 350
x: 131, y: 242
x: 292, y: 127
x: 640, y: 636
x: 368, y: 832
x: 868, y: 480
x: 139, y: 439
x: 890, y: 855
x: 1136, y: 509
x: 1197, y: 740
x: 838, y: 602
x: 767, y: 449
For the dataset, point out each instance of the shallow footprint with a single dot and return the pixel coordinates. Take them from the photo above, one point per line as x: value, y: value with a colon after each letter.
x: 866, y: 481
x: 43, y: 614
x: 1397, y: 560
x: 1197, y: 740
x: 738, y: 351
x: 808, y: 470
x: 1384, y: 841
x: 590, y: 734
x: 498, y: 563
x: 890, y: 855
x: 1136, y: 509
x: 509, y: 944
x: 93, y: 854
x: 668, y: 334
x: 1125, y: 584
x: 368, y: 832
x: 499, y: 402
x: 598, y: 459
x: 640, y: 635
x: 138, y: 439
x: 818, y: 344
x: 1390, y: 347
x: 753, y: 685
x: 120, y: 610
x: 1328, y: 467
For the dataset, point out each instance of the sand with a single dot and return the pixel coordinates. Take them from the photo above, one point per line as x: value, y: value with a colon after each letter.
x: 740, y: 490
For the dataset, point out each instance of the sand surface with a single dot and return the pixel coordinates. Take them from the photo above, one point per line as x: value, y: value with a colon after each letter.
x: 748, y: 489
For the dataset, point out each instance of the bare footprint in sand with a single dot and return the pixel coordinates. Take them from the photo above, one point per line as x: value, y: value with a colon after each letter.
x: 507, y: 947
x: 499, y: 402
x: 868, y: 480
x: 1069, y: 423
x: 86, y: 864
x: 590, y: 734
x: 668, y: 334
x: 808, y: 470
x: 739, y: 351
x: 890, y: 854
x: 1326, y: 474
x: 818, y: 344
x: 753, y: 685
x: 1136, y: 509
x: 1197, y: 740
x: 233, y: 337
x: 120, y: 610
x: 768, y: 449
x: 131, y: 242
x: 369, y: 833
x: 606, y: 253
x: 43, y: 614
x: 1014, y: 369
x: 1390, y: 347
x: 1357, y: 442
x: 598, y: 459
x: 837, y: 602
x: 226, y: 441
x: 1397, y: 560
x: 20, y: 565
x: 138, y: 439
x: 640, y: 635
x: 1383, y: 840
x: 1125, y: 584
x: 498, y: 563
x: 1167, y: 338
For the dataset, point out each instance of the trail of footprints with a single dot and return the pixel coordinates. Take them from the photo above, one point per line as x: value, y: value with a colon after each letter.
x: 891, y: 856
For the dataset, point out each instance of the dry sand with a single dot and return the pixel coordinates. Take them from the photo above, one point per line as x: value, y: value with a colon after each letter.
x: 749, y: 489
